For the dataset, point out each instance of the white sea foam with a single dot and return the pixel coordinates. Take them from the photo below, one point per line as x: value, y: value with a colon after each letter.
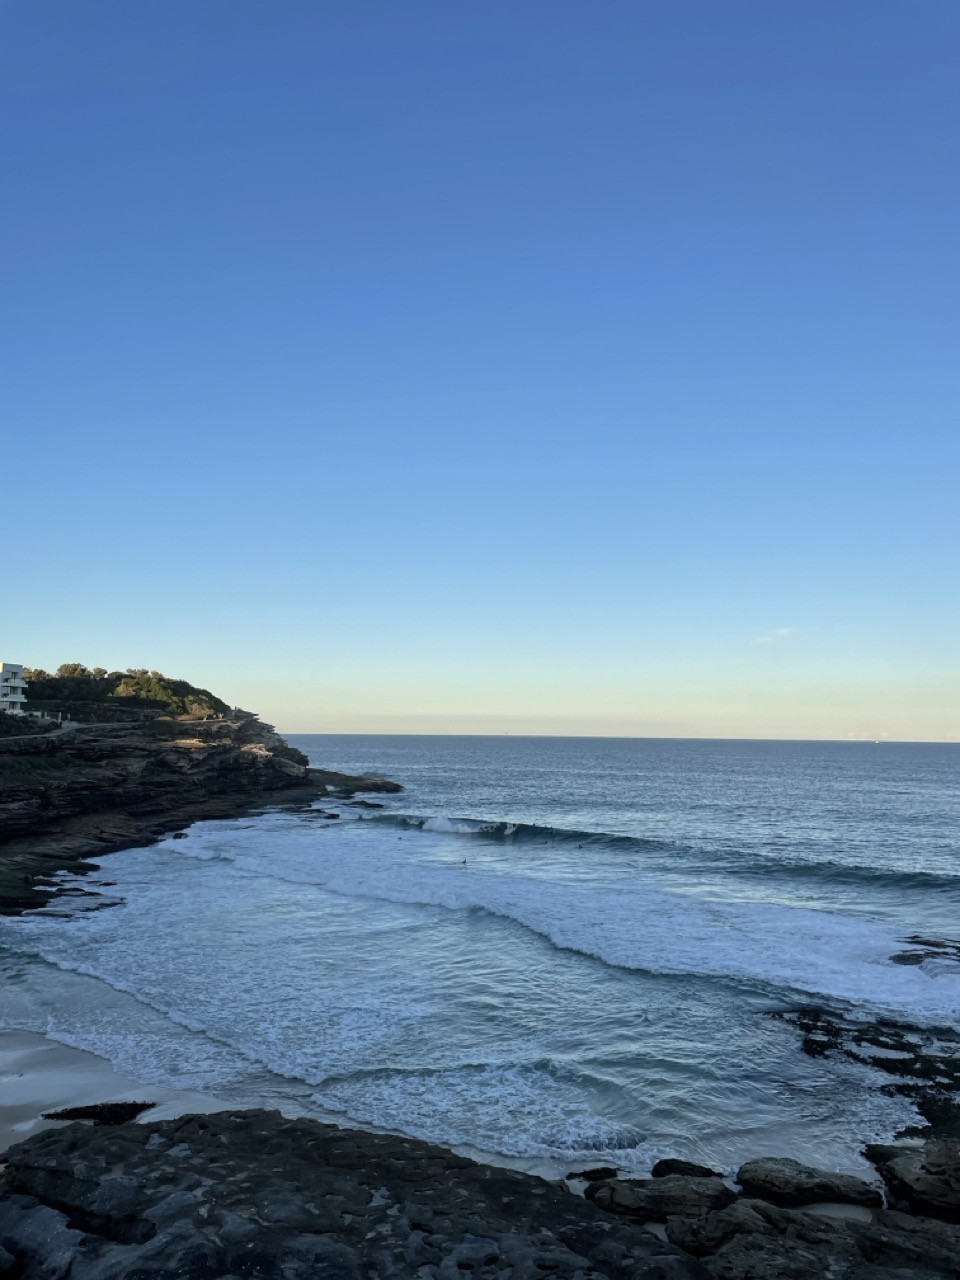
x: 516, y: 1111
x: 629, y: 923
x: 453, y: 826
x: 384, y: 957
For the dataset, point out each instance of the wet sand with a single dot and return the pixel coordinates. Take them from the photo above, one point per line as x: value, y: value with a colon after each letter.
x: 38, y: 1075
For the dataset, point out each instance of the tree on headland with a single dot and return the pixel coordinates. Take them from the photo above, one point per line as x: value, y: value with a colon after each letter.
x: 87, y: 694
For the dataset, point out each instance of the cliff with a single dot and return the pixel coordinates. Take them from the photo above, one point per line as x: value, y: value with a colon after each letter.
x: 91, y: 789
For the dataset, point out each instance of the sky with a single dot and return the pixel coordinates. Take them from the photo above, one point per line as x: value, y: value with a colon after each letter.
x: 539, y: 367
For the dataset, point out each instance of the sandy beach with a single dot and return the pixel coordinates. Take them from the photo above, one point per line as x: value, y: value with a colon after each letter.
x: 39, y: 1075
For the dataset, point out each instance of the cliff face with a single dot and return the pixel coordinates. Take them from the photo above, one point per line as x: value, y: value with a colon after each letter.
x: 92, y: 789
x: 138, y: 769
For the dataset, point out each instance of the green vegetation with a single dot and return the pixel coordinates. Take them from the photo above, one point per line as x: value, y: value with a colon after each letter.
x: 17, y: 726
x: 86, y: 694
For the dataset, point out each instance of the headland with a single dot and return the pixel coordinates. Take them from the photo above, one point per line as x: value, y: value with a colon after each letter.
x: 124, y: 770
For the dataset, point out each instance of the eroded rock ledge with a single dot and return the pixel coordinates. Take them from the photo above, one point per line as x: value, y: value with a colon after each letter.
x: 250, y: 1195
x: 99, y: 788
x: 247, y: 1194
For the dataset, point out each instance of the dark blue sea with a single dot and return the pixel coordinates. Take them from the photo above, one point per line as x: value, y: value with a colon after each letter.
x: 547, y: 950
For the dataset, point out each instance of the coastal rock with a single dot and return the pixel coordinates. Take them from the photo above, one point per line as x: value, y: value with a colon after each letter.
x: 601, y: 1173
x: 921, y: 1063
x: 686, y: 1168
x: 903, y: 1239
x: 790, y: 1184
x: 754, y: 1240
x: 657, y: 1199
x: 104, y: 787
x: 252, y: 1194
x: 101, y: 1112
x: 925, y: 1179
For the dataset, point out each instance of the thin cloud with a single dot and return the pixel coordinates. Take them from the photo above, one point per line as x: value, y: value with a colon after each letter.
x: 773, y: 636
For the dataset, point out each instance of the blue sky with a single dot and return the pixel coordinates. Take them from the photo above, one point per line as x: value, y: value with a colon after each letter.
x: 540, y: 367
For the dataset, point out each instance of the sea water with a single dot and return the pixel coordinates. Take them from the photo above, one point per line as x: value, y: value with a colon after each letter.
x: 553, y: 951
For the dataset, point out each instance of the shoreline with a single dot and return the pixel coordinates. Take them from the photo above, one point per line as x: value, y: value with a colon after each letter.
x: 908, y: 1054
x: 194, y: 1185
x: 921, y: 1063
x: 30, y: 859
x: 39, y: 1074
x: 194, y: 1163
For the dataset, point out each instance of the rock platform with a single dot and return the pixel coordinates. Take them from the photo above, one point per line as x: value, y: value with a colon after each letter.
x: 252, y: 1195
x: 101, y: 788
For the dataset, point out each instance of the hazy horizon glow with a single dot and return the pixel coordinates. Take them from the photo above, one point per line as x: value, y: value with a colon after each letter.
x: 539, y: 368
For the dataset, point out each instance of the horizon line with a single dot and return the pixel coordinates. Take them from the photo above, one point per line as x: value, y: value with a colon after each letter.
x: 611, y: 737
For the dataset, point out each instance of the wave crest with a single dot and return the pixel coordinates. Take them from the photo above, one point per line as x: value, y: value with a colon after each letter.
x: 737, y: 863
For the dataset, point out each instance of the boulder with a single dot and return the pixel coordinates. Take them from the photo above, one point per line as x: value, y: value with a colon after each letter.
x: 657, y: 1199
x: 686, y: 1168
x: 904, y: 1240
x: 601, y: 1173
x: 925, y: 1179
x: 754, y: 1240
x: 790, y: 1184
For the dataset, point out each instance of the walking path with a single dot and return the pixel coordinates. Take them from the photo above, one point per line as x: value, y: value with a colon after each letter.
x: 53, y: 733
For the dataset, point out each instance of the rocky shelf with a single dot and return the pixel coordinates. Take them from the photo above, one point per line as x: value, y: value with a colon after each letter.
x: 65, y: 798
x: 239, y: 1195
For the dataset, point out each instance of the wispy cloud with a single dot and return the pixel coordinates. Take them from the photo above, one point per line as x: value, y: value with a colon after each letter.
x: 772, y: 637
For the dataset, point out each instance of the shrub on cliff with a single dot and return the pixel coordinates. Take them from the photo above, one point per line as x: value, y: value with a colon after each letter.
x: 17, y: 726
x: 176, y: 697
x: 75, y: 688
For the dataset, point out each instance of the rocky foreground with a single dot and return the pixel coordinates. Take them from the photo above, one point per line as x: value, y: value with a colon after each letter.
x: 248, y: 1194
x: 96, y: 788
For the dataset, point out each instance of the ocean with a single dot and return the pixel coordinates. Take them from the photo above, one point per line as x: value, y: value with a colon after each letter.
x: 549, y: 951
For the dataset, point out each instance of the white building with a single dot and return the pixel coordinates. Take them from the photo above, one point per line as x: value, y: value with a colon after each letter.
x: 13, y: 689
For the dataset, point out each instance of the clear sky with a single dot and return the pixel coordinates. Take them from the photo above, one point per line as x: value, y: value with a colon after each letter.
x: 515, y: 365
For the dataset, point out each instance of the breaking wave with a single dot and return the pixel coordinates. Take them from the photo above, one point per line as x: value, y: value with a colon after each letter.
x: 628, y: 919
x: 737, y: 862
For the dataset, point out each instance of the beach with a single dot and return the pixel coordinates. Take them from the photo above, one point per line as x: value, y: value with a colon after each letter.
x: 38, y: 1075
